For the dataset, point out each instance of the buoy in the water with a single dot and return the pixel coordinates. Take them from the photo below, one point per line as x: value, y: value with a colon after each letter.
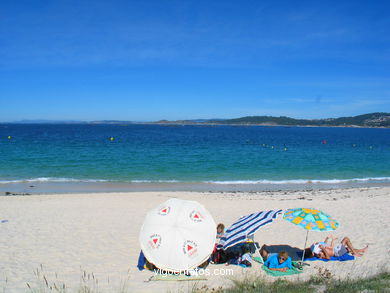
x: 112, y: 139
x: 9, y: 137
x: 285, y: 149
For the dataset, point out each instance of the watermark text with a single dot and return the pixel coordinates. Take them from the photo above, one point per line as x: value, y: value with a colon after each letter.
x: 197, y: 272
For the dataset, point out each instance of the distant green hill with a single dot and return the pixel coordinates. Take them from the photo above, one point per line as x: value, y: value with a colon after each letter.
x: 379, y: 119
x: 366, y: 120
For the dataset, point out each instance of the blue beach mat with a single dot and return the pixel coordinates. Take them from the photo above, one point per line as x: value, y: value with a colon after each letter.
x: 344, y: 257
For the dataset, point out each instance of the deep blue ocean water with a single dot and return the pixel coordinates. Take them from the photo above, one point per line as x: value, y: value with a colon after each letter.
x: 219, y: 154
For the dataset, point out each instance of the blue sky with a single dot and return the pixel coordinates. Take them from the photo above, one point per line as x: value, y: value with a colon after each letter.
x: 151, y: 60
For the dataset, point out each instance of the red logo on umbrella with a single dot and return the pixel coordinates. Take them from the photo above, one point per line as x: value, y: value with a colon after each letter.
x: 164, y: 211
x: 196, y: 216
x: 190, y: 248
x: 155, y: 241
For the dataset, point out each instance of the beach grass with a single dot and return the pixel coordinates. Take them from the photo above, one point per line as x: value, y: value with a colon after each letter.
x: 89, y: 283
x: 260, y: 285
x: 318, y: 283
x: 322, y: 282
x: 377, y: 283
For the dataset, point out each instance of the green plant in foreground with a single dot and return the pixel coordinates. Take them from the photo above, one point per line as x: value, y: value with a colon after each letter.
x: 262, y: 286
x: 323, y: 282
x: 378, y: 283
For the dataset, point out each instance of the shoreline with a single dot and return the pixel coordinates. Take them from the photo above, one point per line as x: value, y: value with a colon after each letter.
x: 98, y: 233
x: 72, y: 187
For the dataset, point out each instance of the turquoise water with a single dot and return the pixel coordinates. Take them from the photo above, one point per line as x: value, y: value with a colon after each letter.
x: 219, y: 154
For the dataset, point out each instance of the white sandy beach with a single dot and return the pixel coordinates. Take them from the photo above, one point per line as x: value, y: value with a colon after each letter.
x: 98, y: 233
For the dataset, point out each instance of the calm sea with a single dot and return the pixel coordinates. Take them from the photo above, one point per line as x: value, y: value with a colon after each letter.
x: 192, y: 154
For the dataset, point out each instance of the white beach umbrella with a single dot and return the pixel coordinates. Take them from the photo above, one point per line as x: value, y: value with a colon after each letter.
x: 178, y: 235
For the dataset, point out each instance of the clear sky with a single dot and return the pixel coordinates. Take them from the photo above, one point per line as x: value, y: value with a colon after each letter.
x: 151, y: 60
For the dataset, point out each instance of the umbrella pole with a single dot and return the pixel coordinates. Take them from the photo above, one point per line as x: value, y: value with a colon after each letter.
x: 303, y: 253
x: 257, y: 249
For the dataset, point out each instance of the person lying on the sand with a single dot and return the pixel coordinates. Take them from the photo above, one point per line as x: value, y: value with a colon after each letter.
x: 279, y: 261
x: 325, y: 250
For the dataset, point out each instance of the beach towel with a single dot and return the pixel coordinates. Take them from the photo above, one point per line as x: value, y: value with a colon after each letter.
x: 344, y: 257
x: 162, y: 277
x: 292, y: 271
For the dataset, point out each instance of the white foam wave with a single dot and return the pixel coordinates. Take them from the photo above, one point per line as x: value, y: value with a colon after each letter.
x: 54, y: 179
x: 227, y: 182
x: 302, y: 181
x: 50, y: 179
x: 155, y: 181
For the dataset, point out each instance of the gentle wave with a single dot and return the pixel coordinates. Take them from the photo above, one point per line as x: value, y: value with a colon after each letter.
x: 228, y: 182
x: 50, y: 179
x: 155, y: 181
x: 302, y: 181
x: 54, y: 179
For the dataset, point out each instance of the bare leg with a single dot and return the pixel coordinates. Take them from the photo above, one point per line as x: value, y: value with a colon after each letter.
x: 361, y: 251
x: 354, y: 251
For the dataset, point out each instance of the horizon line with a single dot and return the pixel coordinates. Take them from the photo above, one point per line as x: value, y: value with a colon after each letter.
x: 59, y: 121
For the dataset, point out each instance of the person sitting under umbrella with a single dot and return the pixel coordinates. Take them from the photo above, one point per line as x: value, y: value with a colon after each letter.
x: 325, y: 250
x: 279, y: 261
x: 220, y: 231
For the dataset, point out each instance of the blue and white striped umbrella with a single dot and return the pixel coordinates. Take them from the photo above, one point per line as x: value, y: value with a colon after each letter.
x: 245, y: 227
